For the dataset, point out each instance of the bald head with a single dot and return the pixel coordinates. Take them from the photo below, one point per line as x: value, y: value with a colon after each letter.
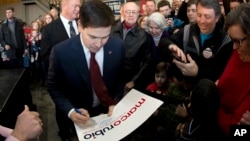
x: 131, y: 4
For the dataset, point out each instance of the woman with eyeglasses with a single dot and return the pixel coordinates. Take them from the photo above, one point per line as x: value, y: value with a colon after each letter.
x: 234, y: 83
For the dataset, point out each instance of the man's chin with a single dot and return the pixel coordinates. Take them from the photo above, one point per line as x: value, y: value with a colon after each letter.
x: 204, y: 31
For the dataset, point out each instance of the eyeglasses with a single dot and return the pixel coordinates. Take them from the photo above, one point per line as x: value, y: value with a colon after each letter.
x: 128, y: 12
x: 239, y: 42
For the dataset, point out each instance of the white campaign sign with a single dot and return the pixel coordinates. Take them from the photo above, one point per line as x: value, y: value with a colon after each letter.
x: 128, y: 114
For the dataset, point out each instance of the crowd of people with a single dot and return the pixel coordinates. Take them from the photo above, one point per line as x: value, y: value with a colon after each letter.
x: 21, y: 43
x: 194, y: 55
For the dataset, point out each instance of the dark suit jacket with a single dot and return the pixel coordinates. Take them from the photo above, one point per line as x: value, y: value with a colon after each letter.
x: 6, y: 39
x: 52, y: 34
x: 69, y: 78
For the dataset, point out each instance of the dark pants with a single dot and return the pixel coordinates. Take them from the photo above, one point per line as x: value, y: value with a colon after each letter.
x: 65, y: 125
x: 45, y: 66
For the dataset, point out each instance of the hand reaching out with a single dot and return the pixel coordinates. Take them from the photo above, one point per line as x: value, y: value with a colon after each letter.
x: 188, y: 69
x: 28, y: 125
x: 177, y: 53
x: 185, y: 63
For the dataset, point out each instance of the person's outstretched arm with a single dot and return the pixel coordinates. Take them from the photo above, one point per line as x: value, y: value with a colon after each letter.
x: 28, y: 126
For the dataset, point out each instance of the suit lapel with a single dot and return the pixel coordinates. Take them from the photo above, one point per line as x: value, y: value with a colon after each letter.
x: 61, y: 29
x: 80, y: 62
x: 108, y: 52
x: 79, y: 59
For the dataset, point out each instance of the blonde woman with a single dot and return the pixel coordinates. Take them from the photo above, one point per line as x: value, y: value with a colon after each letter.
x: 47, y: 18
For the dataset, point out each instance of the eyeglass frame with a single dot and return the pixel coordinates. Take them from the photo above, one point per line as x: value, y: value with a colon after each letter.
x: 128, y: 12
x: 238, y: 42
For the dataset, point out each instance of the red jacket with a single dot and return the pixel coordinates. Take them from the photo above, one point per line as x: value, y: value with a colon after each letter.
x: 155, y: 89
x: 234, y: 89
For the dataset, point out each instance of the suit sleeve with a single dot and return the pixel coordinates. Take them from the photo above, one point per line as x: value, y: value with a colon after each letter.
x: 46, y: 44
x: 55, y: 87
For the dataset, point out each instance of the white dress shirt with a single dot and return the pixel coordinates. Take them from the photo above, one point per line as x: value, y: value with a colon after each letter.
x: 67, y: 26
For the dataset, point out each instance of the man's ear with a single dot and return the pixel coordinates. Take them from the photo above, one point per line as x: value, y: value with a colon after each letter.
x: 80, y: 27
x: 78, y: 22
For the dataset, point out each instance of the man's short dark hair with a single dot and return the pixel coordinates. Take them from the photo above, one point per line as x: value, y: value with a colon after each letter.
x: 213, y: 4
x: 10, y: 8
x: 95, y: 13
x: 163, y: 3
x: 152, y: 1
x: 191, y: 2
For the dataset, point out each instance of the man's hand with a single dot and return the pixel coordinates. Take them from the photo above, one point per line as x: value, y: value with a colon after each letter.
x: 111, y: 109
x: 28, y: 125
x: 7, y: 47
x: 26, y: 51
x: 187, y: 69
x: 80, y: 118
x: 129, y: 86
x: 177, y: 53
x: 170, y: 22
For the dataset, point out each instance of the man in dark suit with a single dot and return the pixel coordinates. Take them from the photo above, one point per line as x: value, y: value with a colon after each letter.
x: 59, y: 30
x: 70, y: 81
x: 54, y: 33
